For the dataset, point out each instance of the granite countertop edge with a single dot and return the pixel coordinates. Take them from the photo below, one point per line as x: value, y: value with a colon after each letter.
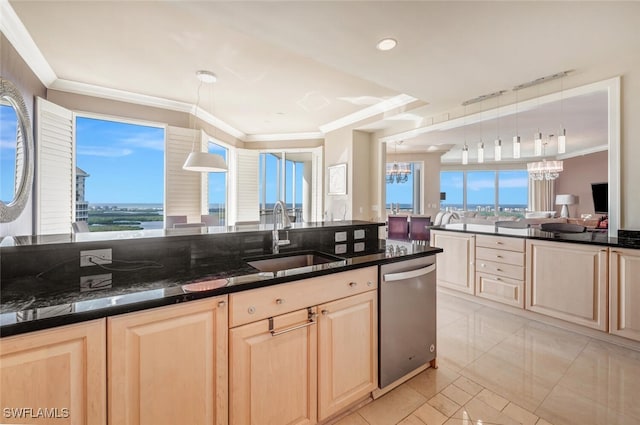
x: 176, y: 294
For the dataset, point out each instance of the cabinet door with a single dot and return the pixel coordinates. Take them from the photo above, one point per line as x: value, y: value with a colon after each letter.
x: 347, y: 352
x: 169, y: 365
x: 568, y: 281
x: 273, y: 377
x: 61, y: 370
x: 625, y: 293
x: 456, y: 269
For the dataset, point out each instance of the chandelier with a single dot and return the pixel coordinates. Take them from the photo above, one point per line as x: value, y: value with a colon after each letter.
x: 398, y: 172
x: 544, y: 170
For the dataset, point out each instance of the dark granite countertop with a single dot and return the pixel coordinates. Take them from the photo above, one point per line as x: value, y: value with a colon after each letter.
x: 592, y: 237
x: 42, y: 301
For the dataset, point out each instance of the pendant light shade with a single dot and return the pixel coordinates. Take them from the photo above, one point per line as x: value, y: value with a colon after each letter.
x: 204, y: 162
x: 465, y: 154
x: 537, y: 144
x: 562, y: 141
x: 480, y: 153
x: 497, y: 153
x: 516, y: 147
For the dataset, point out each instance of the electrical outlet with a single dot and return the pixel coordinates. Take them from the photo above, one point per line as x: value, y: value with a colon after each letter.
x: 95, y: 282
x: 95, y: 256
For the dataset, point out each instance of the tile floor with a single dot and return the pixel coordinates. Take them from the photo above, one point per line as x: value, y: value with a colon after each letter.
x: 498, y: 368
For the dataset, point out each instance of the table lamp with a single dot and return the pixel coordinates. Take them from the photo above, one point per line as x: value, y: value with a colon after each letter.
x: 566, y: 200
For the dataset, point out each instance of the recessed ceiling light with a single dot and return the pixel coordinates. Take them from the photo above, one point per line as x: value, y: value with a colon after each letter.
x: 206, y: 76
x: 386, y: 44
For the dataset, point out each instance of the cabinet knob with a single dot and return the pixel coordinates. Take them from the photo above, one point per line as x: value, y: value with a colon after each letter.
x: 251, y: 310
x: 280, y: 301
x: 498, y: 243
x: 483, y: 265
x: 324, y: 312
x: 498, y: 256
x: 369, y: 283
x: 498, y: 270
x: 222, y: 303
x: 353, y: 284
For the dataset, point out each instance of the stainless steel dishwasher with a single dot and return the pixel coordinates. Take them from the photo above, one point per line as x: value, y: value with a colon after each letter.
x: 407, y: 317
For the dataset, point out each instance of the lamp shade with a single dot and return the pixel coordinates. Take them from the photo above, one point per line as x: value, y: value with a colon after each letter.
x: 205, y: 163
x: 566, y: 199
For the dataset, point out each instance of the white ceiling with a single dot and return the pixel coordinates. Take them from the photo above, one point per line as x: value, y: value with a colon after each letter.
x: 296, y: 67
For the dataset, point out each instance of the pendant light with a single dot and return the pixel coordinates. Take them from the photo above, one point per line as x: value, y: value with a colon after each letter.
x: 465, y: 148
x: 203, y: 162
x: 562, y: 135
x: 480, y: 153
x: 497, y: 149
x: 537, y: 143
x: 516, y: 138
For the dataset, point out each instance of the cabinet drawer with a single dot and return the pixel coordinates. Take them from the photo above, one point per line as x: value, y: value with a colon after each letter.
x: 257, y: 304
x: 500, y: 269
x: 501, y: 242
x: 501, y: 289
x: 500, y: 256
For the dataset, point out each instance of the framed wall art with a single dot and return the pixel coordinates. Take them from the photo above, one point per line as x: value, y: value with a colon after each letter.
x: 337, y: 179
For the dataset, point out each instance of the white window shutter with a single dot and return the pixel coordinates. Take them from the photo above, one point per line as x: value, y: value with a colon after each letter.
x: 183, y: 189
x: 55, y: 172
x: 317, y: 194
x: 243, y: 172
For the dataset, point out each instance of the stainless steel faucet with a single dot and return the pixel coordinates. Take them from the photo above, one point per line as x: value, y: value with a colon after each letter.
x: 280, y: 217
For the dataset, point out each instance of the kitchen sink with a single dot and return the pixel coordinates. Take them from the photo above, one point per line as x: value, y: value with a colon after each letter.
x: 294, y: 260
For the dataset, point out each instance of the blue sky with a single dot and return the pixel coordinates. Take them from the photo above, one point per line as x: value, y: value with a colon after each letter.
x: 8, y: 128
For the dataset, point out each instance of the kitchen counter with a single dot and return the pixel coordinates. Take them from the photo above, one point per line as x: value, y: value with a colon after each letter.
x: 50, y: 299
x: 595, y: 237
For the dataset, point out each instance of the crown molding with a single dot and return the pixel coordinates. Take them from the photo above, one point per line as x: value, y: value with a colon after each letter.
x: 15, y: 31
x: 368, y: 112
x: 218, y: 123
x: 582, y: 152
x: 275, y: 137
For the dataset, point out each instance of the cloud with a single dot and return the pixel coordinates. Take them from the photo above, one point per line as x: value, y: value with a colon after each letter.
x: 8, y: 144
x: 145, y: 141
x: 103, y: 151
x: 480, y: 184
x: 518, y: 182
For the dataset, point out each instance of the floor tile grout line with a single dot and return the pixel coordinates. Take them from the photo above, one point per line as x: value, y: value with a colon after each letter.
x: 563, y: 375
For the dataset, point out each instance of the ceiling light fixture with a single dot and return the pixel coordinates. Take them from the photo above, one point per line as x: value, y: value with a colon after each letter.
x: 480, y: 153
x: 537, y: 143
x: 516, y: 138
x: 562, y: 137
x: 497, y: 149
x: 398, y: 173
x: 386, y: 44
x: 545, y: 170
x: 465, y: 154
x: 203, y: 162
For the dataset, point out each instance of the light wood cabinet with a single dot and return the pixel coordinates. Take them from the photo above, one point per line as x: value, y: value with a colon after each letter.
x: 568, y: 281
x: 500, y: 269
x: 347, y: 352
x: 624, y: 270
x: 62, y: 370
x: 456, y: 265
x: 273, y: 375
x: 168, y: 365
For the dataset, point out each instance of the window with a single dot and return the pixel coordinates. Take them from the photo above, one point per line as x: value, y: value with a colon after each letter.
x: 513, y: 189
x: 8, y: 132
x: 218, y: 189
x: 452, y: 185
x: 481, y: 192
x: 119, y: 175
x: 487, y: 192
x: 281, y: 177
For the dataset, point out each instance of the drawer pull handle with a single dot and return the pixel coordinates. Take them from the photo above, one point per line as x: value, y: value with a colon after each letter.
x: 498, y: 256
x: 498, y: 270
x: 497, y: 278
x: 325, y: 312
x: 353, y: 284
x: 369, y: 283
x: 498, y: 243
x: 222, y: 303
x: 483, y: 265
x: 251, y: 310
x: 280, y: 301
x: 309, y: 322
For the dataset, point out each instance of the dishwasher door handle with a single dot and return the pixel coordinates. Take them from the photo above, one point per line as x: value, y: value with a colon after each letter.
x: 391, y: 277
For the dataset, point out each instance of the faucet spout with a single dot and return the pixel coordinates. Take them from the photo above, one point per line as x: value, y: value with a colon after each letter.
x: 280, y: 217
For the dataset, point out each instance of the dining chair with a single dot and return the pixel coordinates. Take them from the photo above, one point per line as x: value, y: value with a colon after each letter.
x: 398, y: 227
x: 419, y: 228
x: 172, y: 220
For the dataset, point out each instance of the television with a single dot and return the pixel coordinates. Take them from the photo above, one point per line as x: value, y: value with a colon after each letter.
x: 600, y: 194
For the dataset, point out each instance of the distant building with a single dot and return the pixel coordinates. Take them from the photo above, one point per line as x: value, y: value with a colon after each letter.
x: 82, y: 206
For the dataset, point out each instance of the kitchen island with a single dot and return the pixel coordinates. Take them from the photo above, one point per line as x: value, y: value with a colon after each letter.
x: 184, y: 330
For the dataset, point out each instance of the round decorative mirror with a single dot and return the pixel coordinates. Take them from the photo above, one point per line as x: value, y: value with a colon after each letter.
x: 16, y: 152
